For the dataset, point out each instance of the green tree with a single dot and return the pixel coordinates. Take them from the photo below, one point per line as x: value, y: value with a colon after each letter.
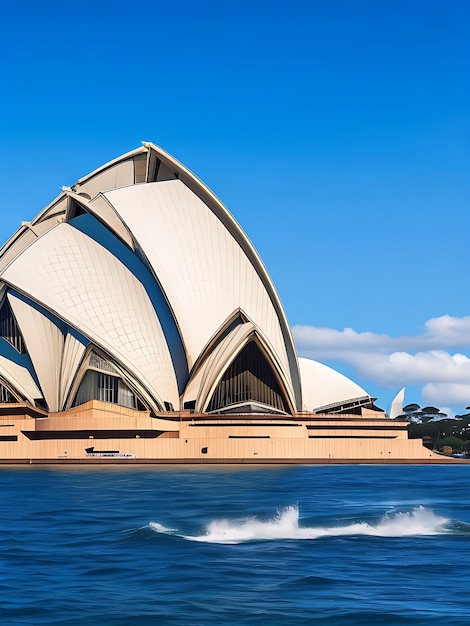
x: 452, y: 442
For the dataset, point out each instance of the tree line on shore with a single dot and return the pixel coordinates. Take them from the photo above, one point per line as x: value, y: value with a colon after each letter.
x: 446, y: 435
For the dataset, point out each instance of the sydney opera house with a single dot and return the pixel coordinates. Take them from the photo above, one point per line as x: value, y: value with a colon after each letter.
x: 139, y: 325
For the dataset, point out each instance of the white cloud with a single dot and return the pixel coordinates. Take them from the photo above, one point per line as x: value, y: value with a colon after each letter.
x: 451, y: 393
x: 448, y: 331
x: 439, y: 333
x: 329, y: 340
x: 403, y: 368
x: 424, y: 359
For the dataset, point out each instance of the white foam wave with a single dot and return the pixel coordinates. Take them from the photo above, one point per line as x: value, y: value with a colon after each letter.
x: 159, y: 528
x: 285, y: 525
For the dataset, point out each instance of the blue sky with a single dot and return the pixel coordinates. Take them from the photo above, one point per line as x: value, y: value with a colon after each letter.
x: 336, y: 132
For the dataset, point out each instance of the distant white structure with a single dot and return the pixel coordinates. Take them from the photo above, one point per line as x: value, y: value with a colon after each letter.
x: 396, y: 408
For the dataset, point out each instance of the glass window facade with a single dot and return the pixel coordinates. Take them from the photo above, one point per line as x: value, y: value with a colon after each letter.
x: 249, y: 378
x: 9, y: 328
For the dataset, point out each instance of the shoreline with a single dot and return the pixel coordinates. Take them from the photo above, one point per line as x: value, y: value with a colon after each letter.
x: 230, y: 462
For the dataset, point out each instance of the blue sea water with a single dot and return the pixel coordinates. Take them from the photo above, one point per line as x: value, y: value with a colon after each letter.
x: 332, y: 545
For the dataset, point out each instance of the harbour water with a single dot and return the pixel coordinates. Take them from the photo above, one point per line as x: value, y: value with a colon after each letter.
x: 336, y: 545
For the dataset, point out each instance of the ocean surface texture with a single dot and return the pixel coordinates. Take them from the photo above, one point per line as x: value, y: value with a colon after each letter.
x: 286, y: 545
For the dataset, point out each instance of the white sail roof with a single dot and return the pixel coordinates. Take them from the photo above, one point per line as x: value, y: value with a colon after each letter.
x: 396, y: 407
x: 323, y: 386
x: 45, y: 342
x: 20, y: 379
x: 160, y: 327
x: 83, y: 283
x: 201, y: 267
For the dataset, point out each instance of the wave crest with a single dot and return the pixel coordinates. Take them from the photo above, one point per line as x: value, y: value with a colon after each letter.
x: 285, y: 525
